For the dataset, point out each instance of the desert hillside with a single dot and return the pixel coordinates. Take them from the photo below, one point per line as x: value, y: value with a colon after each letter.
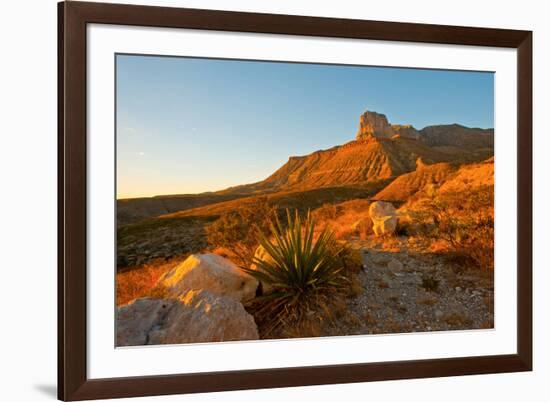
x: 406, y: 221
x: 381, y: 151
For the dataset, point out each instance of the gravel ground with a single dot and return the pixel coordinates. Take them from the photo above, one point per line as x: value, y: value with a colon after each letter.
x: 404, y: 290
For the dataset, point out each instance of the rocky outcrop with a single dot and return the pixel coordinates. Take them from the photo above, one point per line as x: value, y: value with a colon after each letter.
x: 376, y: 125
x: 196, y: 316
x: 405, y: 131
x: 210, y: 272
x: 384, y: 218
x: 372, y: 124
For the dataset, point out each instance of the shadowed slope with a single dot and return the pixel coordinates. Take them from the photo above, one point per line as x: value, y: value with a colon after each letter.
x: 456, y: 135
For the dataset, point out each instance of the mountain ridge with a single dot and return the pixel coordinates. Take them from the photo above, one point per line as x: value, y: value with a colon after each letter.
x: 381, y: 151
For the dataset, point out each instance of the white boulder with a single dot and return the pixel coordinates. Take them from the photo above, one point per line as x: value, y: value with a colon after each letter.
x: 196, y: 316
x: 210, y: 272
x: 384, y: 218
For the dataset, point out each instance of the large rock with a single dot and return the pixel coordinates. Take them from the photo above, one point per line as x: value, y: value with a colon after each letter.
x: 372, y: 124
x: 376, y: 125
x: 384, y: 218
x: 210, y: 272
x: 197, y: 316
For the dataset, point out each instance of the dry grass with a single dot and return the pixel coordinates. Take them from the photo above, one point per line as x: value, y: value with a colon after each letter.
x: 428, y: 301
x: 488, y: 324
x: 460, y: 226
x: 355, y: 287
x: 457, y: 320
x: 307, y: 321
x: 395, y: 327
x: 347, y: 220
x: 370, y: 319
x: 140, y: 282
x: 430, y: 283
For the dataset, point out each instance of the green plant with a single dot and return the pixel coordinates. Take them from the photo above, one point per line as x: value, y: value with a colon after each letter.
x: 304, y: 272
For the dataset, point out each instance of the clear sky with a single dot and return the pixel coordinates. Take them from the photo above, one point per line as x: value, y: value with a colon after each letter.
x: 188, y: 125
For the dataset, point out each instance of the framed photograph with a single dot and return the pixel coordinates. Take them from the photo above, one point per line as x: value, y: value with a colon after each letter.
x: 253, y: 200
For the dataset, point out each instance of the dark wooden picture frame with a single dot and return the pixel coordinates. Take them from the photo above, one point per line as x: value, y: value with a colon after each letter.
x: 73, y: 383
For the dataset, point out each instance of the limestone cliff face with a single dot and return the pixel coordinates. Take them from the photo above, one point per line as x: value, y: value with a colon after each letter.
x: 376, y: 125
x: 372, y: 124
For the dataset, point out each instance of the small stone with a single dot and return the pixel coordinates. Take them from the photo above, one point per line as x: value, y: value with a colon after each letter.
x: 395, y: 265
x: 438, y: 314
x: 458, y: 288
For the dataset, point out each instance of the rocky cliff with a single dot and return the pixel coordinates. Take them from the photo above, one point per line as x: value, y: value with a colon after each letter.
x: 376, y: 125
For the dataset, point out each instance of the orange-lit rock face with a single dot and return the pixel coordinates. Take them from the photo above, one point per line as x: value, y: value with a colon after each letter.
x: 372, y: 124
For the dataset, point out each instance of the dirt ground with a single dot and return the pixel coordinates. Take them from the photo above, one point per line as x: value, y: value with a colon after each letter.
x: 405, y: 290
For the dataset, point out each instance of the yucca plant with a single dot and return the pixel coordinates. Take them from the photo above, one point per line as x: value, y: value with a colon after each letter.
x: 301, y: 268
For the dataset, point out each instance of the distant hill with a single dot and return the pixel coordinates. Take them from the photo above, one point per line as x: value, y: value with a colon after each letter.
x: 380, y: 152
x: 301, y: 200
x: 135, y: 209
x: 455, y: 135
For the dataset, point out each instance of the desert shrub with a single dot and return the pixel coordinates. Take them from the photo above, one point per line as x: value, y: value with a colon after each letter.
x: 140, y: 282
x: 464, y: 221
x: 349, y: 219
x: 305, y: 272
x: 357, y: 205
x: 457, y: 320
x: 326, y: 212
x: 351, y: 258
x: 429, y: 283
x: 239, y: 231
x: 351, y: 261
x: 427, y: 301
x: 404, y: 228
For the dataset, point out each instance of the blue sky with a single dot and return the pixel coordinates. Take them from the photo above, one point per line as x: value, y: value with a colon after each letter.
x: 188, y: 125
